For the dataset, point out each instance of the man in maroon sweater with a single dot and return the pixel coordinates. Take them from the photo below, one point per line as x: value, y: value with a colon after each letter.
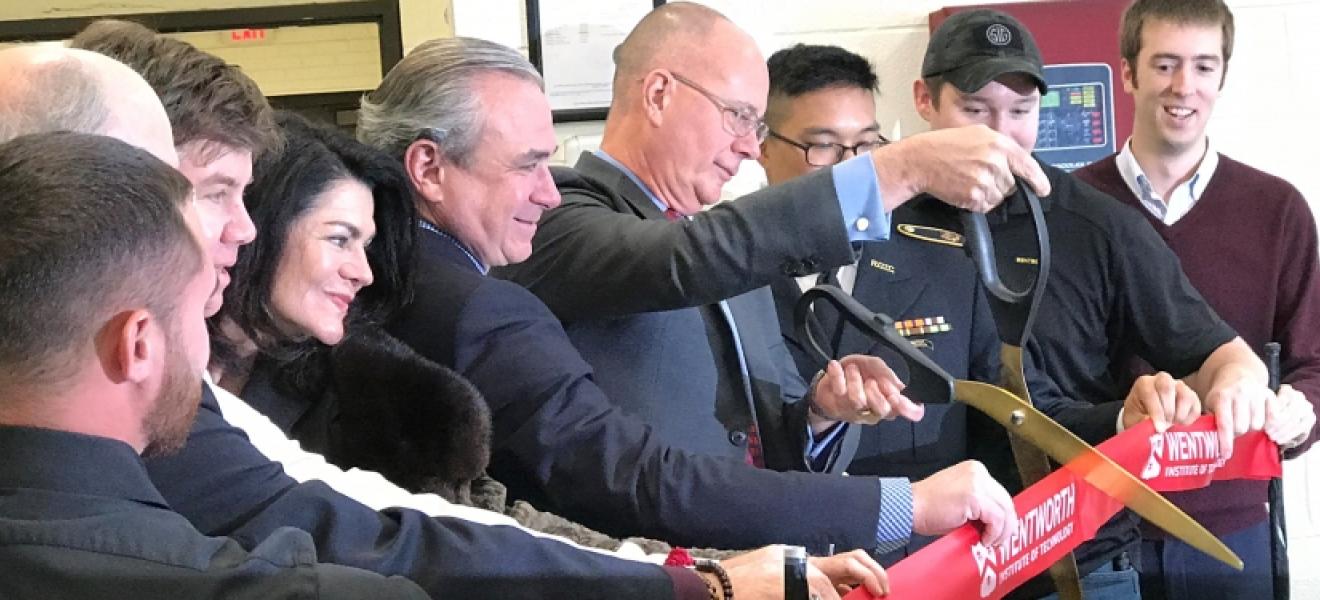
x: 1246, y: 240
x: 1115, y: 293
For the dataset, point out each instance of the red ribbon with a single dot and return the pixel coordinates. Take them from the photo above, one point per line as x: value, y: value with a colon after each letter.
x: 1061, y: 511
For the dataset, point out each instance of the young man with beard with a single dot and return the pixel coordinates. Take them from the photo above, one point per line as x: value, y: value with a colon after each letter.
x: 102, y: 338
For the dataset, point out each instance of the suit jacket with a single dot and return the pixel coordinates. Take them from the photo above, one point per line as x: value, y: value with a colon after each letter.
x: 80, y: 519
x: 638, y: 296
x: 559, y: 442
x: 907, y: 278
x: 226, y: 487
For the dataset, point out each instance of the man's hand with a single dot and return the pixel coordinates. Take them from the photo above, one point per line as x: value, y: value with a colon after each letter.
x: 961, y: 493
x: 760, y: 574
x: 969, y: 167
x: 1289, y: 417
x: 860, y: 389
x: 851, y: 569
x: 1163, y: 399
x: 1237, y: 400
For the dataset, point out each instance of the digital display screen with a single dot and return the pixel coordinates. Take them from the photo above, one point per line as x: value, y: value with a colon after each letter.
x: 1072, y: 116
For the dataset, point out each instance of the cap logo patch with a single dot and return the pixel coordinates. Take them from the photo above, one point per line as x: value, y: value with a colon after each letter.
x: 999, y: 35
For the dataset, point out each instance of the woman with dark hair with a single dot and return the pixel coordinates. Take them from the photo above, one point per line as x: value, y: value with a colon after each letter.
x: 298, y: 337
x: 327, y: 199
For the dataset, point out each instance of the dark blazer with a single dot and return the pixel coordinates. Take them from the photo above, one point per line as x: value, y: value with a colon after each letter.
x: 80, y: 519
x: 226, y: 487
x: 906, y: 278
x: 607, y: 251
x: 637, y: 295
x: 559, y: 442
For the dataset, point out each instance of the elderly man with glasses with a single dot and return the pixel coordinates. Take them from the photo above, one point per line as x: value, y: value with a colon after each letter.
x: 668, y: 303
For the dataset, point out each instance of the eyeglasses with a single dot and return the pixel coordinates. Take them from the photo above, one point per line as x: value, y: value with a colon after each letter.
x: 826, y: 154
x: 738, y: 120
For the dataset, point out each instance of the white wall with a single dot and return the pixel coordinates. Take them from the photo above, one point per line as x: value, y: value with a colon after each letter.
x: 1264, y: 117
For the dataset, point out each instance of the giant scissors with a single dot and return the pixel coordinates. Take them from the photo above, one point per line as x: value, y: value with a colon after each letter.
x: 1034, y: 435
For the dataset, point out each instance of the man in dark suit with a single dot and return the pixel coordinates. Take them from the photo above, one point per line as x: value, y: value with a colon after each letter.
x: 674, y: 316
x: 557, y: 438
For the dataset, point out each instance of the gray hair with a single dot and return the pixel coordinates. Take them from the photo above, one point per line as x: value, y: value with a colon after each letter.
x: 63, y: 95
x: 431, y: 88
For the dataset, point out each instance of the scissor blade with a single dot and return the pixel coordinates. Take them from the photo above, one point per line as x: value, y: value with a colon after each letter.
x: 1094, y: 467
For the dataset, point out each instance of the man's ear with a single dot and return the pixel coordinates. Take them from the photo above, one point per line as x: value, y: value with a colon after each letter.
x: 426, y: 165
x: 1129, y: 75
x: 132, y: 347
x: 923, y: 100
x: 657, y: 94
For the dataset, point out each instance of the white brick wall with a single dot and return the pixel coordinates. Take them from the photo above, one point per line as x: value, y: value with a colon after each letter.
x: 302, y: 60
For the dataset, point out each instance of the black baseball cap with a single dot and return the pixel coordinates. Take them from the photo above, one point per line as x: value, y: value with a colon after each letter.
x: 972, y: 48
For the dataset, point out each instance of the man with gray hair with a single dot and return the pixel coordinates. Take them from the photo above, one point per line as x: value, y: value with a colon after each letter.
x: 471, y: 124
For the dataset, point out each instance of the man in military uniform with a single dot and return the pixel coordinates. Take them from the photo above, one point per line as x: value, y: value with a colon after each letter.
x: 821, y: 110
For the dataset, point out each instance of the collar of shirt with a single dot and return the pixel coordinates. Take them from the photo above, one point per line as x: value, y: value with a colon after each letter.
x: 847, y: 276
x: 1169, y: 210
x: 453, y: 240
x: 633, y: 176
x: 74, y: 463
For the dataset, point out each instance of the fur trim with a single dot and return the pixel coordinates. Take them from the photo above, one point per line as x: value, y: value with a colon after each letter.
x: 418, y: 423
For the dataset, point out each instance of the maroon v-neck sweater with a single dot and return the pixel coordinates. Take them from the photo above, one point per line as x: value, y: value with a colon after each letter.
x: 1249, y: 246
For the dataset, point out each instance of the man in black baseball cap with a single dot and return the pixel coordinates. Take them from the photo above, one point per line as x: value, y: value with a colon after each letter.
x: 972, y: 48
x: 1116, y: 297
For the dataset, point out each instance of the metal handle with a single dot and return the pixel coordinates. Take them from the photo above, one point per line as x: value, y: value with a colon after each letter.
x: 980, y: 246
x: 921, y: 370
x: 1014, y: 310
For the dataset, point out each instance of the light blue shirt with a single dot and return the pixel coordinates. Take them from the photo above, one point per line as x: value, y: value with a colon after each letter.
x: 858, y: 190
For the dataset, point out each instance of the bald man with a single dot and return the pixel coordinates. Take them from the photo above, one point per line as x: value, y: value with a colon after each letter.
x: 668, y: 303
x: 49, y: 88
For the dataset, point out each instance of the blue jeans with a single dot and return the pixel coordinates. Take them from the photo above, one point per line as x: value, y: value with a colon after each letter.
x: 1172, y: 570
x: 1109, y: 583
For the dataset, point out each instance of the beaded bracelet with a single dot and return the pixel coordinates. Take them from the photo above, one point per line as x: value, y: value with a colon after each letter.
x: 707, y: 565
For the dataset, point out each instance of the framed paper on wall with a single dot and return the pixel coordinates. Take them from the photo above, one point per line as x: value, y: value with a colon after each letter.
x: 572, y: 43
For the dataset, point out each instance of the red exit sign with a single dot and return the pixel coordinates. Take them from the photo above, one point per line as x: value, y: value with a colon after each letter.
x: 247, y: 35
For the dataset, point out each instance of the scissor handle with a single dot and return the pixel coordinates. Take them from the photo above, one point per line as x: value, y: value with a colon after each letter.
x: 980, y: 246
x: 921, y: 370
x: 1014, y: 310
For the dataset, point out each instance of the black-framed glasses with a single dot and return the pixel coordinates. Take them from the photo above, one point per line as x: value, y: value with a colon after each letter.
x: 738, y: 120
x: 825, y: 154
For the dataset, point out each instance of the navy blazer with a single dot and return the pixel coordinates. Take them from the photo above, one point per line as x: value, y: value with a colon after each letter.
x: 226, y: 487
x: 560, y: 442
x: 907, y: 278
